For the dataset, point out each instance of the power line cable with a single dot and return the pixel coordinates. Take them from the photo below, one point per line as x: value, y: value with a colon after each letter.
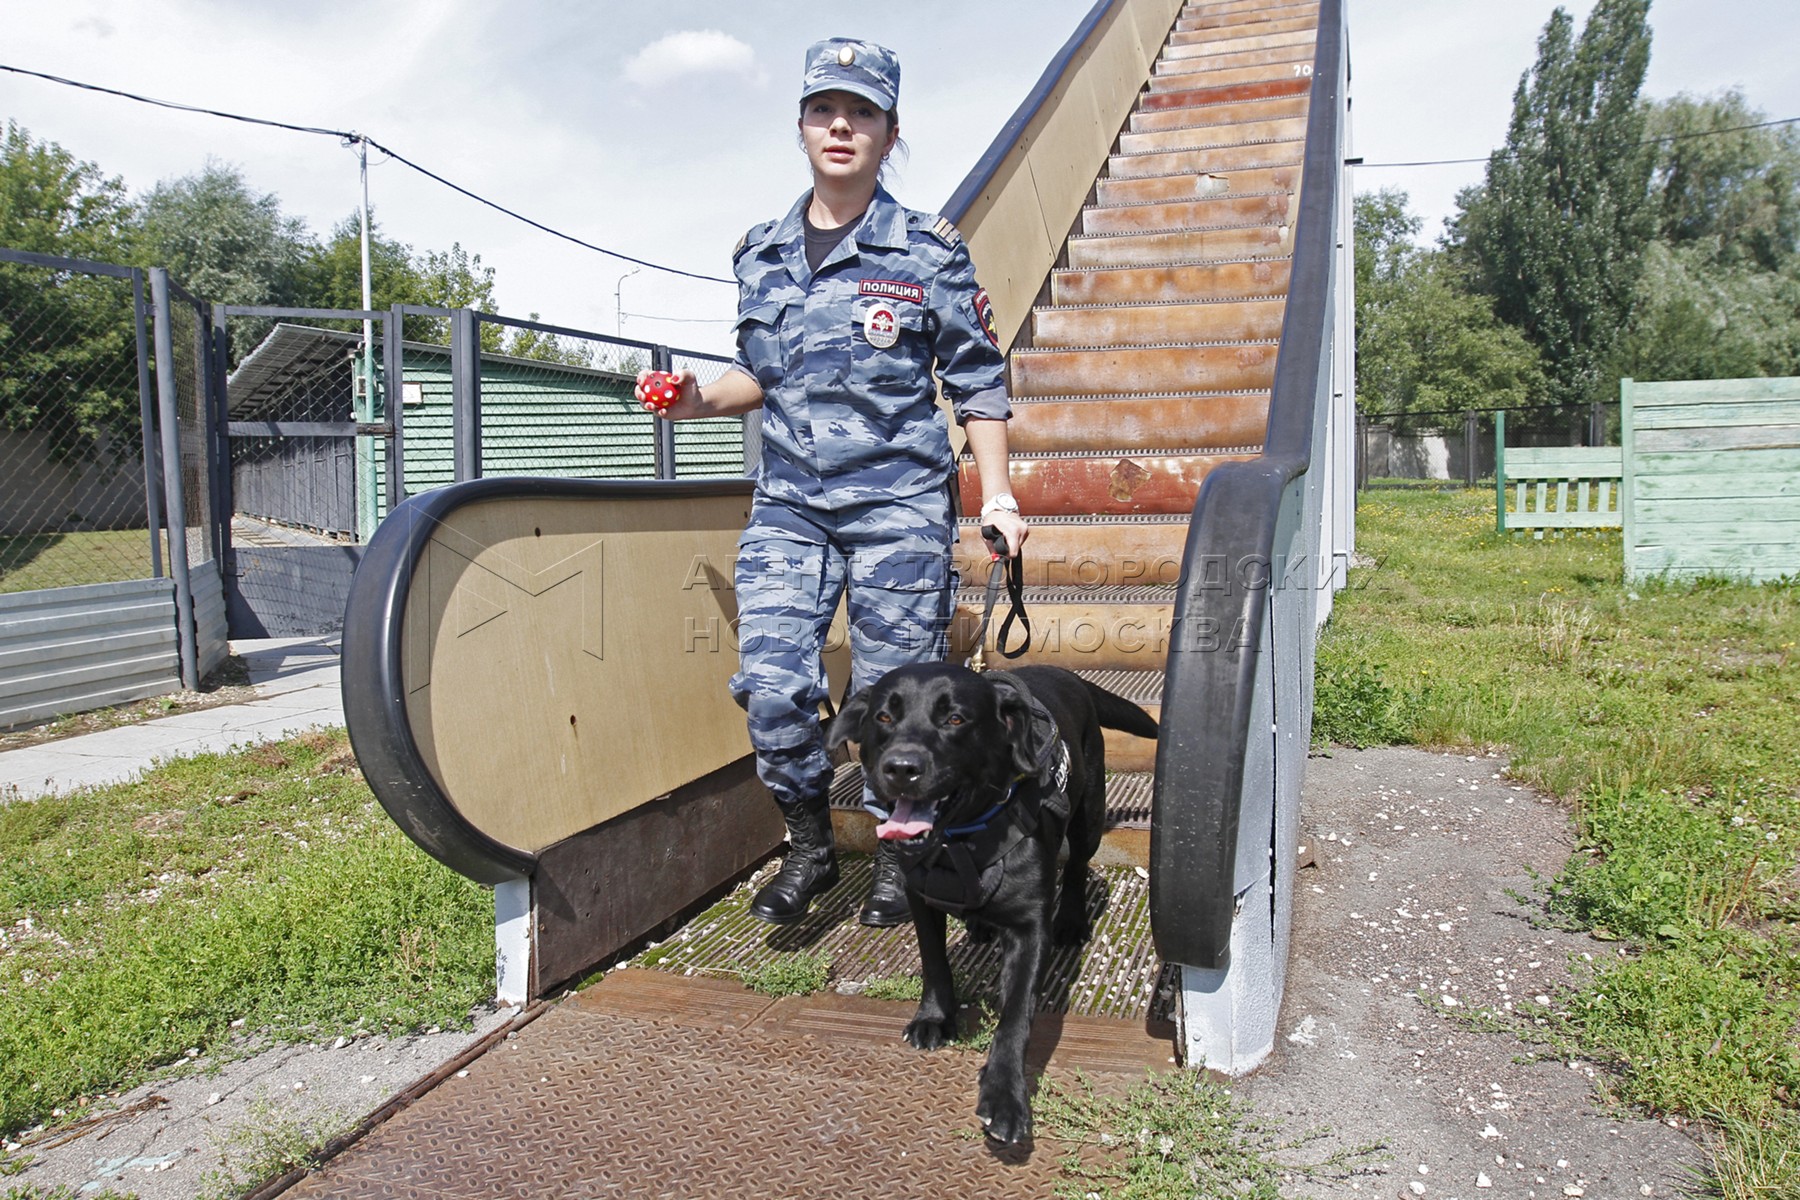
x: 352, y: 136
x: 1655, y: 141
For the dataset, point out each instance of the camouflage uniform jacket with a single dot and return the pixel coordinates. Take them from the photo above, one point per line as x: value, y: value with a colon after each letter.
x: 844, y: 357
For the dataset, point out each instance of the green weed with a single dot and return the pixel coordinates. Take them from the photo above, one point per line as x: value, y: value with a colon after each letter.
x: 1174, y: 1137
x: 901, y: 987
x: 268, y: 1144
x: 791, y: 974
x: 265, y: 888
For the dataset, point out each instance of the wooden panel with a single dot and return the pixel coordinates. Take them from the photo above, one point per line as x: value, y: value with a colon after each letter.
x: 549, y: 644
x: 1716, y: 485
x: 1646, y: 396
x: 1729, y: 511
x: 1717, y: 537
x: 1564, y: 462
x: 1709, y: 414
x: 1729, y: 437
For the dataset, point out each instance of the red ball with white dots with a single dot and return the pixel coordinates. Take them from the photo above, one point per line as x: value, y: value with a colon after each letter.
x: 660, y: 389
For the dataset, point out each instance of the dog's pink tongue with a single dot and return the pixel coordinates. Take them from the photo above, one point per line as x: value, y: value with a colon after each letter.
x: 905, y: 823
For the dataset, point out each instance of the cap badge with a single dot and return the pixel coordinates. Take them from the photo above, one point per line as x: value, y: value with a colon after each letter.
x: 846, y: 56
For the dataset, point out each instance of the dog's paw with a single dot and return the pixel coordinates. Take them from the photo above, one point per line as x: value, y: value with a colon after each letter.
x: 980, y: 933
x: 1005, y: 1112
x: 930, y: 1032
x: 1072, y: 928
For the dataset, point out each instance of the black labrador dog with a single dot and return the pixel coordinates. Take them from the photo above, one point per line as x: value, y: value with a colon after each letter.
x: 984, y: 778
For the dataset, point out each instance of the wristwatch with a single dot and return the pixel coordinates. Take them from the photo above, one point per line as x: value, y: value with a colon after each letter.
x: 1003, y: 502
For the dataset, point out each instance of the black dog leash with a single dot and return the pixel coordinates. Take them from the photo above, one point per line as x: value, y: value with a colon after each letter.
x: 1011, y: 571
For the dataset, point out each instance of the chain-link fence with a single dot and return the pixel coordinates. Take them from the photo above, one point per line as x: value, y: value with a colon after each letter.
x: 1457, y: 445
x: 559, y: 402
x: 189, y: 340
x: 298, y: 474
x: 76, y: 503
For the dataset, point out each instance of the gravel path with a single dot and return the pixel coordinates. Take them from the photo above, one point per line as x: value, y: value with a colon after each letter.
x: 1404, y: 930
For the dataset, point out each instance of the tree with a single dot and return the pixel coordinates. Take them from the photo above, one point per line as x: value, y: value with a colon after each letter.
x: 450, y: 279
x: 1731, y: 191
x: 547, y: 347
x: 1424, y: 343
x: 1697, y: 318
x: 223, y: 240
x: 1556, y: 233
x: 68, y: 350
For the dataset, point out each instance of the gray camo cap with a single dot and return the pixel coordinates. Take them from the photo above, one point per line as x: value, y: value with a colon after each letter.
x: 850, y: 65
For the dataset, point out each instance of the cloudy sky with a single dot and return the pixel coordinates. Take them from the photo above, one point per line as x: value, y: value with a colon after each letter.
x: 664, y: 130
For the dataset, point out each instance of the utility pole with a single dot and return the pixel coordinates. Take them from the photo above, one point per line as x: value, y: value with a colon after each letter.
x: 618, y: 307
x: 363, y: 389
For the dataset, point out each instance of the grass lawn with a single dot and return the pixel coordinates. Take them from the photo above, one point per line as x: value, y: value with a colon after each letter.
x: 53, y: 560
x: 259, y: 892
x: 1668, y: 716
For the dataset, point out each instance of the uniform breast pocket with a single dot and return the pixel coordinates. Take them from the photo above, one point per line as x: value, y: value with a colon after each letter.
x: 889, y: 346
x: 766, y: 346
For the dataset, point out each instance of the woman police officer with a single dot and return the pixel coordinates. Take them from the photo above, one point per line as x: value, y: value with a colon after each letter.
x: 845, y: 305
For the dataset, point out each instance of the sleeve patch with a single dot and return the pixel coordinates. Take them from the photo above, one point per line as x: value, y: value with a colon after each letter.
x: 984, y: 308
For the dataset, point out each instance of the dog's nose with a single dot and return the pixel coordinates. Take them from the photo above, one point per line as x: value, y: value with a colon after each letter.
x: 902, y: 767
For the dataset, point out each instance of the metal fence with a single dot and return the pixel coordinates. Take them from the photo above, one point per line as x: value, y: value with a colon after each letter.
x: 1458, y: 444
x: 77, y: 505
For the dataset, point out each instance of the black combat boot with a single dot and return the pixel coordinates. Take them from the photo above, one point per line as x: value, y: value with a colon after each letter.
x: 886, y: 904
x: 809, y: 868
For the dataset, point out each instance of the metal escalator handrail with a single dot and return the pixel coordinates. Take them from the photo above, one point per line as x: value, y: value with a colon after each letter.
x: 1218, y: 621
x: 988, y: 166
x: 373, y: 671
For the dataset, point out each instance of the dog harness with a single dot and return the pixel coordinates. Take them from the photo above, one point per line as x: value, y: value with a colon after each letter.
x: 959, y: 868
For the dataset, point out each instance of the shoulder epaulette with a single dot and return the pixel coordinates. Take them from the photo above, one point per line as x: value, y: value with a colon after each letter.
x: 755, y: 234
x: 938, y: 227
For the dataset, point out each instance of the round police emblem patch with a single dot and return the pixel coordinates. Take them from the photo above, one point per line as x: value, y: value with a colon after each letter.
x: 881, y: 325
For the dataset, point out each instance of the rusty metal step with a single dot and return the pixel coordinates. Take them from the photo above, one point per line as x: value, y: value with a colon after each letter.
x: 1201, y: 137
x: 1145, y: 285
x: 1223, y: 367
x: 1214, y: 19
x: 1185, y: 76
x: 1179, y: 245
x: 1215, y: 211
x: 1152, y: 324
x: 1204, y: 159
x: 1164, y: 189
x: 1177, y: 60
x: 1091, y: 629
x: 1273, y: 89
x: 1086, y: 552
x: 1139, y: 423
x: 1279, y: 108
x: 1251, y: 35
x: 1105, y: 482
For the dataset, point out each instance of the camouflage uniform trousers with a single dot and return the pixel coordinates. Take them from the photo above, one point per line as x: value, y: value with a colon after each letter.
x: 892, y: 558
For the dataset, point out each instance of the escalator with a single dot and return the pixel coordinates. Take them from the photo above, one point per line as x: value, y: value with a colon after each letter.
x: 1175, y: 432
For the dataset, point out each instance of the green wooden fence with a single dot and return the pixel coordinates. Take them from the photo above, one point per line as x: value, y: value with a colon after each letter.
x: 1712, y: 478
x: 1556, y: 487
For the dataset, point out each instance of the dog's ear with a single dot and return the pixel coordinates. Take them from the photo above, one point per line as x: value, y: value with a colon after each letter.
x: 1026, y: 736
x: 847, y: 725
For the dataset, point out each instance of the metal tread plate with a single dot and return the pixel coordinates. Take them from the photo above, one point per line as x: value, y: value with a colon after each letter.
x: 1114, y: 235
x: 1191, y: 200
x: 587, y: 1102
x: 1097, y: 519
x: 1103, y: 452
x: 1116, y: 974
x: 1127, y: 792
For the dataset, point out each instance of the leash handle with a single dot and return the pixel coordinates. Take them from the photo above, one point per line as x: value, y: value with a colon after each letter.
x: 1012, y: 571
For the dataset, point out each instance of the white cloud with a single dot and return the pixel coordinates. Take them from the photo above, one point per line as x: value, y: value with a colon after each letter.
x: 692, y: 52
